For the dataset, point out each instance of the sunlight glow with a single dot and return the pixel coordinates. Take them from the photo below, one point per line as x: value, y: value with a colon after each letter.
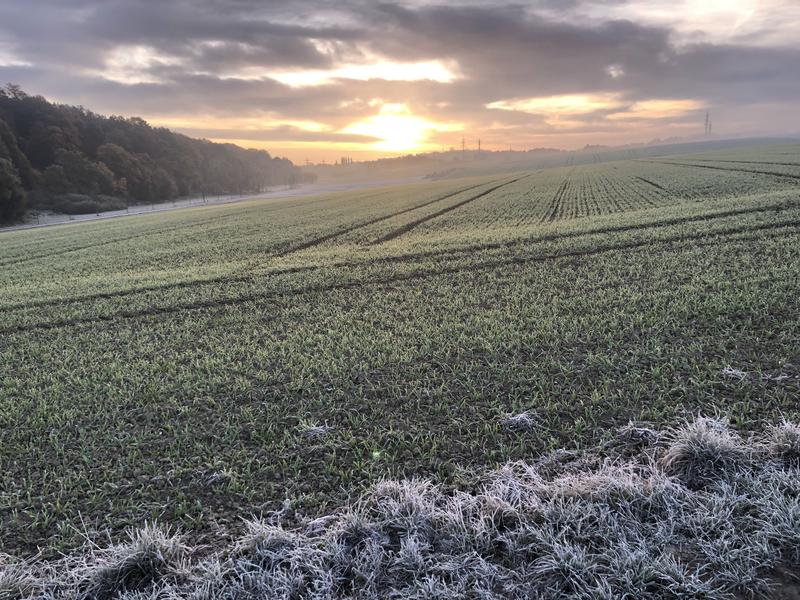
x: 398, y: 129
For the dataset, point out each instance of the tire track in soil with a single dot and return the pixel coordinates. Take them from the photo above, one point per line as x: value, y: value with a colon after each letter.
x: 414, y: 224
x: 234, y: 278
x: 419, y: 275
x: 784, y: 175
x: 396, y: 259
x: 325, y: 238
x: 555, y: 203
x: 749, y: 162
x: 295, y: 202
x: 26, y: 259
x: 654, y: 184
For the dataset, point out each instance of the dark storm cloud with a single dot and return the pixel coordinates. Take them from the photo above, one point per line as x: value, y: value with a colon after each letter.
x: 207, y: 57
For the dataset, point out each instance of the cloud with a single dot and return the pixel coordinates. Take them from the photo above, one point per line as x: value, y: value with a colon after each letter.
x: 570, y: 104
x: 657, y: 109
x: 277, y: 134
x: 607, y: 70
x: 432, y: 70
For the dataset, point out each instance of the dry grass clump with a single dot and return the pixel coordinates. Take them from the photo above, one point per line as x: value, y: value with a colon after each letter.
x: 633, y: 438
x: 705, y: 514
x: 16, y: 579
x: 150, y: 559
x: 151, y: 556
x: 704, y: 451
x: 520, y: 422
x: 783, y: 442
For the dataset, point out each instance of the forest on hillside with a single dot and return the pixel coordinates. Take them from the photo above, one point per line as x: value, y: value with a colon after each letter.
x: 69, y: 159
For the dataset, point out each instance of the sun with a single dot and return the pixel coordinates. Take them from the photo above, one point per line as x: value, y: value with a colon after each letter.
x: 396, y: 129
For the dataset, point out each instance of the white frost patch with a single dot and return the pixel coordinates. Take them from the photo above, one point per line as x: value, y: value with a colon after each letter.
x: 776, y: 378
x: 312, y: 430
x: 732, y: 373
x: 523, y: 421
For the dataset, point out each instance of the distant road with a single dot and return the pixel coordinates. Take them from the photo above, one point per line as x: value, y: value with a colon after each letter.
x: 314, y: 189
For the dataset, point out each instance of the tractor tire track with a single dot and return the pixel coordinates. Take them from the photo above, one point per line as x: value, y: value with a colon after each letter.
x: 555, y: 203
x: 654, y: 184
x: 784, y: 175
x: 397, y: 259
x: 414, y: 224
x: 26, y: 259
x: 749, y: 162
x: 173, y: 228
x: 325, y: 238
x: 392, y: 279
x: 233, y: 278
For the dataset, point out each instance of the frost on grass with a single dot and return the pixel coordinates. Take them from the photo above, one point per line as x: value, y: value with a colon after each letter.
x: 776, y: 377
x: 633, y: 438
x: 732, y: 373
x: 704, y: 513
x: 521, y: 422
x: 16, y: 580
x: 783, y: 442
x: 311, y: 430
x: 150, y: 558
x: 703, y: 452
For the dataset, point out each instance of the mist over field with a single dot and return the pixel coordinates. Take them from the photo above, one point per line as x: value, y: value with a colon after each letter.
x: 333, y: 300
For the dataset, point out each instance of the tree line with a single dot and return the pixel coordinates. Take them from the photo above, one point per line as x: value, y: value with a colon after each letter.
x: 69, y: 159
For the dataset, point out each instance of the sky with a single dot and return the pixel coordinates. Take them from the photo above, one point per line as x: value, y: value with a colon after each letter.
x: 320, y: 79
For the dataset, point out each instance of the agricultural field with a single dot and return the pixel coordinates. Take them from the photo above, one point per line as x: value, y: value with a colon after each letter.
x: 199, y: 366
